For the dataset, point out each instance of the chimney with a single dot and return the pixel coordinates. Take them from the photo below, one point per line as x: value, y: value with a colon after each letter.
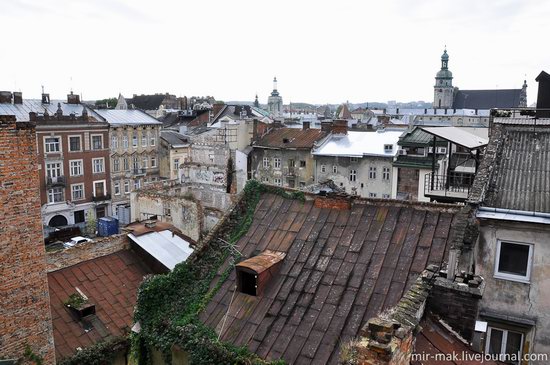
x: 326, y: 125
x: 340, y: 126
x: 306, y: 125
x: 216, y: 108
x: 333, y: 201
x: 5, y: 97
x: 45, y: 98
x: 73, y: 99
x: 255, y: 130
x: 17, y: 97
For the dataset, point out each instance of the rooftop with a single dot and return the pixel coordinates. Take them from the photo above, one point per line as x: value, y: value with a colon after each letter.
x: 174, y: 138
x: 126, y: 117
x: 359, y: 144
x: 110, y: 282
x: 21, y: 111
x: 290, y: 138
x: 341, y: 268
x: 487, y: 99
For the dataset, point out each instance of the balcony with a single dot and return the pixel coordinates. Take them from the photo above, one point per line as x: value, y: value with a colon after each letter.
x: 448, y: 188
x: 101, y: 198
x: 55, y: 181
x: 290, y: 171
x: 139, y: 172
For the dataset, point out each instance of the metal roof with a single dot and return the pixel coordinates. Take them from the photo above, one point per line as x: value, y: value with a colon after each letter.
x: 167, y: 248
x: 487, y: 99
x: 174, y: 138
x: 359, y: 144
x: 457, y: 136
x: 523, y: 121
x: 127, y: 117
x: 21, y: 111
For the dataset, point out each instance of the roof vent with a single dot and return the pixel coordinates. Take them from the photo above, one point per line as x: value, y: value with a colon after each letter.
x: 255, y: 273
x: 285, y: 140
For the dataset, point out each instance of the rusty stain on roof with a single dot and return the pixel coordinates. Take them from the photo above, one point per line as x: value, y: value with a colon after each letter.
x: 263, y: 261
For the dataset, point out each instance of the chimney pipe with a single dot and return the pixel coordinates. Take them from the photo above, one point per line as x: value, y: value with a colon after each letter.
x: 306, y: 125
x: 340, y: 126
x: 5, y: 97
x: 73, y: 99
x: 17, y: 97
x: 326, y: 125
x: 45, y: 98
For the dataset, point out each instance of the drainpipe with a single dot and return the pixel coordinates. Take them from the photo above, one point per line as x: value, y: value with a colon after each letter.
x: 514, y: 211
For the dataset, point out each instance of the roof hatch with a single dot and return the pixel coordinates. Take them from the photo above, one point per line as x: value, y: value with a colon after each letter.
x: 254, y: 274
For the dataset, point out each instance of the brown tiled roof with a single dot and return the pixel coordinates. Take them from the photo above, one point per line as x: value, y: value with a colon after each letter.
x: 435, y: 340
x: 342, y: 267
x: 296, y: 138
x: 110, y: 282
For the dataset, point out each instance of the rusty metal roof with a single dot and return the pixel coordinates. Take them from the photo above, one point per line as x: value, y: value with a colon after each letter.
x: 263, y: 261
x: 290, y: 138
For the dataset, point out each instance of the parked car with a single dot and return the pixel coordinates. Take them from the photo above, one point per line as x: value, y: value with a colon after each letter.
x: 76, y: 240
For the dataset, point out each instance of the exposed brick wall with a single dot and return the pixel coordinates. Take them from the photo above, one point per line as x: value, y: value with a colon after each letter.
x: 25, y: 317
x: 333, y: 202
x: 57, y: 260
x: 407, y: 182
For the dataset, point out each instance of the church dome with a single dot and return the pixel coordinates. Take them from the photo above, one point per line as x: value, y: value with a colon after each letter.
x: 444, y: 56
x: 444, y: 74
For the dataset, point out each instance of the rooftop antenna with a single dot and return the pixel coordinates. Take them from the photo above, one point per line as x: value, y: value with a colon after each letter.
x: 71, y: 84
x: 42, y: 89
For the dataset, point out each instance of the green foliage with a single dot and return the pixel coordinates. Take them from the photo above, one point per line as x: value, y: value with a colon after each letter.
x: 168, y: 305
x: 109, y: 103
x: 100, y: 354
x: 31, y: 356
x: 75, y: 301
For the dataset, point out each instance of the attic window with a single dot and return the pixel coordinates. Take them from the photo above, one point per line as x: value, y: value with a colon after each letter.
x: 255, y: 273
x: 388, y: 148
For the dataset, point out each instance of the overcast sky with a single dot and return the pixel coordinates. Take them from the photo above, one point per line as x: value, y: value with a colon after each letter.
x: 321, y: 51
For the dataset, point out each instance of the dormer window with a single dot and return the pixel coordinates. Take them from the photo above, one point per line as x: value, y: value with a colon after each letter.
x: 388, y: 148
x: 255, y: 273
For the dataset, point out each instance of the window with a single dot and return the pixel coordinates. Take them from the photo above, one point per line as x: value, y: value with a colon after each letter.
x: 55, y: 195
x: 98, y: 165
x: 152, y: 139
x: 291, y: 163
x: 167, y: 212
x: 114, y: 142
x: 77, y: 191
x: 302, y: 163
x: 145, y: 162
x: 137, y: 184
x: 126, y: 187
x: 135, y: 140
x: 302, y: 184
x: 135, y: 164
x: 386, y: 196
x: 266, y: 162
x: 372, y: 172
x: 116, y: 188
x: 334, y: 169
x: 372, y: 195
x: 176, y: 163
x: 353, y: 159
x: 153, y: 161
x: 277, y: 163
x: 79, y: 216
x: 74, y: 143
x: 143, y: 140
x: 116, y: 164
x: 53, y: 169
x: 125, y: 141
x: 388, y: 148
x: 323, y: 168
x: 51, y: 144
x: 513, y: 261
x: 97, y: 142
x: 505, y: 343
x: 265, y: 180
x: 352, y: 175
x: 386, y: 173
x: 277, y: 181
x: 99, y: 188
x: 76, y: 167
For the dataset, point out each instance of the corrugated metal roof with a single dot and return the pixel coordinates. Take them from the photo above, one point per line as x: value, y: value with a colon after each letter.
x: 487, y: 99
x: 167, y: 248
x: 457, y: 136
x: 127, y: 117
x: 21, y: 111
x: 523, y: 121
x: 359, y: 144
x: 290, y: 138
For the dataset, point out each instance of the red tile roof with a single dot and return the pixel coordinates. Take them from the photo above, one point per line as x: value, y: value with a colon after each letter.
x: 294, y: 137
x: 110, y: 282
x: 341, y: 268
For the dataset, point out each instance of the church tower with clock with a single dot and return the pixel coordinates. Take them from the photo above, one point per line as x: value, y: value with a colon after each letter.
x: 443, y: 88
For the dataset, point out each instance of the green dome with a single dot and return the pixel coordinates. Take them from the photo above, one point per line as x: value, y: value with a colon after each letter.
x: 444, y: 74
x: 444, y: 56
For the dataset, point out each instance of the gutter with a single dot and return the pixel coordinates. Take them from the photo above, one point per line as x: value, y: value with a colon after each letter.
x: 513, y: 215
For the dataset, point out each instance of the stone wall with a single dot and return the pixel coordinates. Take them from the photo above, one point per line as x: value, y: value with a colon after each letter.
x: 57, y: 260
x: 25, y: 317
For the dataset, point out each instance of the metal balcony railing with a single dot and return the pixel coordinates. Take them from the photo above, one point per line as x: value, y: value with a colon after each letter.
x: 139, y: 171
x: 453, y: 186
x: 100, y: 198
x: 55, y: 181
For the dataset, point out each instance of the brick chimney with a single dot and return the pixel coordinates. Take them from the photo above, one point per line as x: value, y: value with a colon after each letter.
x: 326, y: 125
x: 333, y: 201
x: 5, y: 97
x: 216, y: 108
x: 17, y: 97
x: 73, y: 99
x: 340, y: 126
x: 306, y: 125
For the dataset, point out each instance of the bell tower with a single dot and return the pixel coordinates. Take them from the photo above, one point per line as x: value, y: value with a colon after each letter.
x: 443, y: 88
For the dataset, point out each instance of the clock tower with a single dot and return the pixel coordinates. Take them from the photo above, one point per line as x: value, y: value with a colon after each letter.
x: 443, y: 88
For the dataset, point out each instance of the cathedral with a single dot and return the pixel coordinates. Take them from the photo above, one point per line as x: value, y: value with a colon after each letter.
x: 448, y: 97
x: 275, y: 101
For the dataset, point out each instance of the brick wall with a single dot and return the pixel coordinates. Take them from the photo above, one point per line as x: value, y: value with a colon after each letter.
x: 25, y: 317
x: 57, y: 260
x: 333, y: 202
x: 408, y: 182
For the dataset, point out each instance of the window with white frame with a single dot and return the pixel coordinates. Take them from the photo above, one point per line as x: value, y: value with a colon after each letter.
x: 52, y: 144
x: 143, y: 139
x: 152, y: 139
x: 135, y: 140
x: 372, y: 172
x: 55, y: 195
x: 513, y: 261
x: 145, y: 162
x: 53, y: 169
x: 97, y: 142
x: 266, y: 162
x: 126, y: 187
x: 114, y: 142
x: 77, y: 191
x: 323, y: 168
x: 74, y: 144
x: 99, y: 188
x: 176, y: 164
x: 76, y: 167
x: 153, y: 161
x: 135, y: 163
x: 126, y: 164
x: 265, y: 179
x: 388, y: 148
x: 125, y: 141
x: 386, y: 196
x: 137, y: 184
x: 353, y: 159
x: 277, y: 163
x: 373, y: 195
x: 334, y: 169
x: 504, y: 343
x: 277, y: 181
x: 386, y: 173
x: 116, y: 188
x: 98, y: 165
x: 352, y: 175
x: 116, y: 164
